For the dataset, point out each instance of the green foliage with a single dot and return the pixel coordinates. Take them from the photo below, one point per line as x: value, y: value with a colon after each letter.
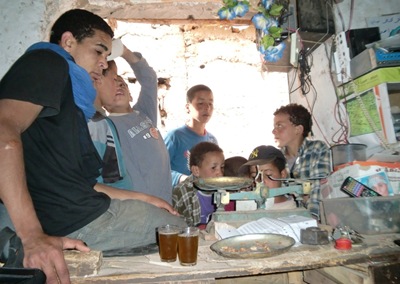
x: 275, y: 10
x: 275, y: 32
x: 267, y: 41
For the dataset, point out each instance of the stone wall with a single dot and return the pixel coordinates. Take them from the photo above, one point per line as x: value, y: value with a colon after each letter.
x: 225, y: 60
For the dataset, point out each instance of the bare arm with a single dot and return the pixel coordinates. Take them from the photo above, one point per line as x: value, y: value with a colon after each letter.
x: 117, y: 193
x: 40, y: 250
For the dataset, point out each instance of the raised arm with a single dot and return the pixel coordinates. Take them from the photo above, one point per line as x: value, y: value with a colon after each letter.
x: 147, y: 78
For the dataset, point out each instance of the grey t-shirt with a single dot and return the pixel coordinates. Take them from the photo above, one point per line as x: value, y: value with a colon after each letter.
x: 145, y: 154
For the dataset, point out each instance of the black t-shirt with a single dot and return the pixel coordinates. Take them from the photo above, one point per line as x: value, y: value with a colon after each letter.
x: 61, y: 162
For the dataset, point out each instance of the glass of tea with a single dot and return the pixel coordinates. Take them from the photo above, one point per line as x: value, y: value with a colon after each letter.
x: 188, y: 243
x: 168, y: 242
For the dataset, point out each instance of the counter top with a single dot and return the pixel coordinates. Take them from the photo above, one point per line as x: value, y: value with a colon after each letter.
x: 149, y: 268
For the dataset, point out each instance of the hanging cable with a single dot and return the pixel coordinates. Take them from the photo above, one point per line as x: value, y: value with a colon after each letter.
x: 351, y: 13
x: 341, y: 17
x: 304, y: 72
x: 340, y: 136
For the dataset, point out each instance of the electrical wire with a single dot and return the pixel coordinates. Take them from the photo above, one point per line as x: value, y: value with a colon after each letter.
x: 339, y: 136
x: 304, y: 55
x: 341, y: 17
x: 311, y: 107
x: 304, y: 72
x: 306, y: 85
x: 322, y: 39
x: 342, y: 132
x: 291, y: 84
x: 351, y: 13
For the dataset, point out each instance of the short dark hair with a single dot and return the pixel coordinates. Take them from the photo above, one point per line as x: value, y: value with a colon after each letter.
x: 198, y: 152
x: 80, y: 23
x: 298, y: 115
x: 232, y: 166
x: 191, y: 93
x: 110, y: 63
x: 279, y: 163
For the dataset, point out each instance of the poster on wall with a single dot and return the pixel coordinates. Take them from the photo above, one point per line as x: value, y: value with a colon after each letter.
x: 388, y: 25
x: 363, y: 114
x: 369, y: 110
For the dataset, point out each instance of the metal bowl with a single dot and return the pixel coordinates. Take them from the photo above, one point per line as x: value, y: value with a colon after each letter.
x: 253, y: 245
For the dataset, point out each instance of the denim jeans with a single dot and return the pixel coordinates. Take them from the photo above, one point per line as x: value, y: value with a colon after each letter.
x: 126, y: 224
x: 5, y: 220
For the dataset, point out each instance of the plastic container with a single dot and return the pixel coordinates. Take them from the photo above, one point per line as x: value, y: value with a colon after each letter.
x: 343, y: 244
x: 366, y: 215
x: 345, y: 153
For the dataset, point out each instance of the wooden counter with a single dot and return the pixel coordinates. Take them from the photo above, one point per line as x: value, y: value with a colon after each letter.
x: 149, y: 268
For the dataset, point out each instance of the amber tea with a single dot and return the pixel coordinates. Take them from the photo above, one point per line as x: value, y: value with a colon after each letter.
x: 168, y: 242
x: 188, y: 243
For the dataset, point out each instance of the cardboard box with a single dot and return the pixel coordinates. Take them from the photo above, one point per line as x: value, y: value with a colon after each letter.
x: 361, y: 171
x: 370, y: 59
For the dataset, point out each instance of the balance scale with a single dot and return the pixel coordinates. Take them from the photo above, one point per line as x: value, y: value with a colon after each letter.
x: 225, y: 189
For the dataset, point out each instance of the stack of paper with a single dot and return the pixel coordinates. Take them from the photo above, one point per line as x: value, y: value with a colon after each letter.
x: 288, y: 226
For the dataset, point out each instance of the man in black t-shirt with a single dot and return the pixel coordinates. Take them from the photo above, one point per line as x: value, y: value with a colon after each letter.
x: 48, y: 163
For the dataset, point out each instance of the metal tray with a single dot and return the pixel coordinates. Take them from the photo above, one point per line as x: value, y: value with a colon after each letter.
x: 253, y: 245
x: 224, y: 183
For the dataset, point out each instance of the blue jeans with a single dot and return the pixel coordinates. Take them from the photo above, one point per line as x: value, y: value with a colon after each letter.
x: 126, y: 224
x: 5, y: 220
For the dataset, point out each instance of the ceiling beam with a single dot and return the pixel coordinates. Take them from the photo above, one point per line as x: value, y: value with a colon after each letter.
x: 161, y: 11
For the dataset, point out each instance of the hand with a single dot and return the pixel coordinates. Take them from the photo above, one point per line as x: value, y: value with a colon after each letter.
x: 129, y: 56
x: 161, y: 203
x: 46, y: 253
x: 125, y: 51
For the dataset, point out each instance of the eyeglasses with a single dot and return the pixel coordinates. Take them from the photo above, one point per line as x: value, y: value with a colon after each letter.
x: 265, y: 176
x: 260, y: 176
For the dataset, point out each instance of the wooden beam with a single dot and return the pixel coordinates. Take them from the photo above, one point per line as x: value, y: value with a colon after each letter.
x: 235, y: 22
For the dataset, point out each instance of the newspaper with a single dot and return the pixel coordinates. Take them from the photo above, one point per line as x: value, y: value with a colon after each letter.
x: 288, y: 226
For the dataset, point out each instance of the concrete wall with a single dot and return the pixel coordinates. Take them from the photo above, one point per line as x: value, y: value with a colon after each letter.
x: 24, y: 22
x: 17, y: 35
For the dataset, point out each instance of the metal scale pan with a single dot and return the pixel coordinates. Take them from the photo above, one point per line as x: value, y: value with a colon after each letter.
x: 223, y: 183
